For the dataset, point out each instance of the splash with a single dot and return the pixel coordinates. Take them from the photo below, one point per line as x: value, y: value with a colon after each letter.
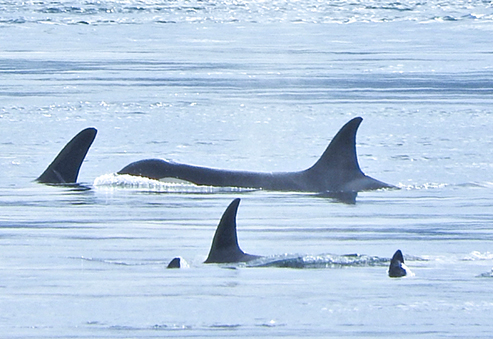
x: 125, y: 181
x: 319, y: 261
x: 486, y: 275
x: 425, y: 186
x: 476, y: 255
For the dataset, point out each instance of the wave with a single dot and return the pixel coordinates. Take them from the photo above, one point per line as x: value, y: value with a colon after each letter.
x: 486, y: 275
x: 118, y: 262
x: 319, y: 261
x: 277, y: 11
x: 297, y: 261
x: 169, y: 185
x: 476, y: 255
x: 437, y: 185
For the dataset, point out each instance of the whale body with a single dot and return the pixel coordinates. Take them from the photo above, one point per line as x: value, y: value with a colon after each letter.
x: 337, y: 170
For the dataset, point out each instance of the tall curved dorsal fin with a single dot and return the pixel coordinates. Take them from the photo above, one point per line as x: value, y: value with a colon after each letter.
x: 65, y: 168
x: 338, y: 170
x: 225, y: 248
x: 341, y: 152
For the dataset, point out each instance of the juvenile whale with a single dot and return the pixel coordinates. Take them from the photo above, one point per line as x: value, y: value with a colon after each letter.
x: 178, y: 262
x: 225, y: 248
x: 337, y: 170
x: 397, y: 267
x: 64, y: 170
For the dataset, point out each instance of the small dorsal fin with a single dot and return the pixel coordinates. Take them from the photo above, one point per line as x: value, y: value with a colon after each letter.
x: 65, y: 168
x: 341, y: 152
x: 178, y: 262
x: 225, y: 248
x: 397, y: 268
x: 397, y: 257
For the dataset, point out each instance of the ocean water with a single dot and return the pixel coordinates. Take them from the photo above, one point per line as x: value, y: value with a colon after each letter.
x: 251, y: 85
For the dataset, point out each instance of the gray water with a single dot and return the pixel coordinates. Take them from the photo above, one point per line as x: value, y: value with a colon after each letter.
x: 260, y: 86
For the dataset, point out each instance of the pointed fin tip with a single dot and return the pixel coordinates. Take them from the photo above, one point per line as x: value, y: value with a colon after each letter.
x: 397, y: 257
x: 234, y: 204
x: 349, y: 127
x: 352, y: 124
x: 229, y: 215
x: 357, y: 119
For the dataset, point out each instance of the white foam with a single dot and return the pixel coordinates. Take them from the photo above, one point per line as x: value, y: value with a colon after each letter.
x: 170, y: 185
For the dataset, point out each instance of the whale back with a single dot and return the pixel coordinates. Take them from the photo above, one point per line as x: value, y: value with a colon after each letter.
x: 336, y: 171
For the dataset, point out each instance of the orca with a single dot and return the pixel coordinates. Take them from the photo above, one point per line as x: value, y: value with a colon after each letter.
x: 397, y: 267
x: 337, y: 171
x: 64, y: 170
x: 225, y: 248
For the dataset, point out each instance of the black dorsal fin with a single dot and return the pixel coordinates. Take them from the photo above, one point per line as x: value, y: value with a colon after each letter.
x: 341, y: 152
x: 397, y: 258
x: 396, y: 268
x: 65, y: 168
x: 338, y: 170
x: 225, y: 248
x: 178, y: 262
